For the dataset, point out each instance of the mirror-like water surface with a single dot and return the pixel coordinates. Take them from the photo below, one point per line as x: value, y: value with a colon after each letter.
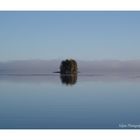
x: 52, y: 101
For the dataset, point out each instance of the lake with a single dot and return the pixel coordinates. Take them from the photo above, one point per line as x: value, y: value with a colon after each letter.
x: 86, y: 101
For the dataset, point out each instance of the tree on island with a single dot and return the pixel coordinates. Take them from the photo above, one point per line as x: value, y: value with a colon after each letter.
x: 68, y: 66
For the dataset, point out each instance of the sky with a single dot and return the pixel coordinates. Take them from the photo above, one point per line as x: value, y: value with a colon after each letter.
x: 77, y: 35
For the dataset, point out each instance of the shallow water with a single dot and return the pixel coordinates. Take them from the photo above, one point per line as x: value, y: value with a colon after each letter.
x: 88, y: 101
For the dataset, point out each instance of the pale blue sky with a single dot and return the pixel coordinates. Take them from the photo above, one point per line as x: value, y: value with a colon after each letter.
x: 78, y: 35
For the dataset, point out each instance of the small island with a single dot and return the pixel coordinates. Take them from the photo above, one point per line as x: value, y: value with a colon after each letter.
x: 68, y: 66
x: 68, y: 71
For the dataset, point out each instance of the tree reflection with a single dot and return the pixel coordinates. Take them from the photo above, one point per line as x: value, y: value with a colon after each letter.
x: 68, y: 79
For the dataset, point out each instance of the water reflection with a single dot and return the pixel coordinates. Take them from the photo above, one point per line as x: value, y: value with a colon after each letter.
x: 68, y: 79
x: 57, y: 78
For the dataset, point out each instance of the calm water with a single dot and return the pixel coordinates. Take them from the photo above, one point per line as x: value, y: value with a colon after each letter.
x: 51, y: 101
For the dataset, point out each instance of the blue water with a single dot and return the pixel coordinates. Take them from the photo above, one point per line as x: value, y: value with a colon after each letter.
x: 91, y: 102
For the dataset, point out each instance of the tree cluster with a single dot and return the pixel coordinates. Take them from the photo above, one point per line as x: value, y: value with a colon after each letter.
x: 68, y: 67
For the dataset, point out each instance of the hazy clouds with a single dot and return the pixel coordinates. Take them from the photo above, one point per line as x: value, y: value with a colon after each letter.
x: 50, y: 66
x: 29, y: 66
x: 110, y: 66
